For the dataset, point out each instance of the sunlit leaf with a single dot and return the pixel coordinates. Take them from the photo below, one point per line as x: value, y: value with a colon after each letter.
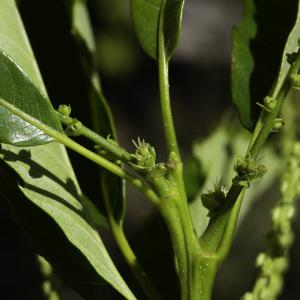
x: 45, y: 198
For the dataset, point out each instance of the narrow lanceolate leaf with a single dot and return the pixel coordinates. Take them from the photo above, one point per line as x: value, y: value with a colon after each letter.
x: 291, y: 47
x: 17, y: 88
x: 243, y: 64
x: 259, y: 42
x: 101, y: 115
x: 146, y: 15
x: 20, y: 87
x: 44, y: 194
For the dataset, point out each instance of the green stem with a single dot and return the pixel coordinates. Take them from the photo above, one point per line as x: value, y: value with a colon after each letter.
x: 266, y: 121
x: 102, y: 162
x: 204, y: 273
x: 219, y: 234
x: 229, y: 231
x: 106, y: 144
x: 163, y: 74
x: 171, y: 213
x: 128, y: 253
x: 175, y: 209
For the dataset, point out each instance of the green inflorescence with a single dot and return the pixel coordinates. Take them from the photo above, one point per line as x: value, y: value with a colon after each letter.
x: 269, y: 103
x: 247, y: 170
x: 144, y: 158
x: 64, y: 110
x: 144, y: 161
x: 274, y: 262
x: 74, y: 129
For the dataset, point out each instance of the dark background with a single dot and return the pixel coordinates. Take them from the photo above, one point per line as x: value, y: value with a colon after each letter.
x: 200, y: 88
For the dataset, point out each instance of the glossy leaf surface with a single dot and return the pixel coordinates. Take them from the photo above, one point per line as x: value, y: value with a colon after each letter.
x: 17, y: 88
x: 19, y: 84
x: 51, y: 208
x: 146, y: 14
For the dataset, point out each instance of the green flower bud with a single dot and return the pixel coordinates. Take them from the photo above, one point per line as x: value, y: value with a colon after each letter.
x: 269, y: 103
x: 144, y: 158
x: 295, y: 81
x: 260, y: 259
x: 278, y: 124
x: 64, y: 110
x: 74, y: 128
x: 247, y: 170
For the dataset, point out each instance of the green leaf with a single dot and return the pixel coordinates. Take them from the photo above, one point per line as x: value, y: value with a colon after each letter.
x: 146, y: 14
x: 48, y: 182
x: 243, y: 64
x: 258, y: 43
x: 46, y: 198
x: 19, y: 84
x: 101, y: 115
x: 291, y: 47
x: 17, y: 88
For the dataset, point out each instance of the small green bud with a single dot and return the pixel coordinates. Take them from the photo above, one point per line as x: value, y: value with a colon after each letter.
x: 270, y: 103
x: 144, y: 158
x: 281, y: 264
x: 286, y: 239
x: 47, y: 287
x: 296, y: 149
x: 295, y: 81
x: 278, y: 124
x: 267, y: 266
x: 260, y: 259
x: 276, y: 212
x: 248, y: 296
x: 74, y: 128
x: 247, y: 170
x: 64, y: 110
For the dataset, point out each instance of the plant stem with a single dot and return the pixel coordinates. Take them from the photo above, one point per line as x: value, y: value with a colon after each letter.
x: 175, y: 209
x: 219, y: 234
x: 102, y: 162
x: 204, y: 272
x: 266, y: 121
x: 106, y: 144
x: 183, y: 251
x: 127, y: 251
x: 163, y: 74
